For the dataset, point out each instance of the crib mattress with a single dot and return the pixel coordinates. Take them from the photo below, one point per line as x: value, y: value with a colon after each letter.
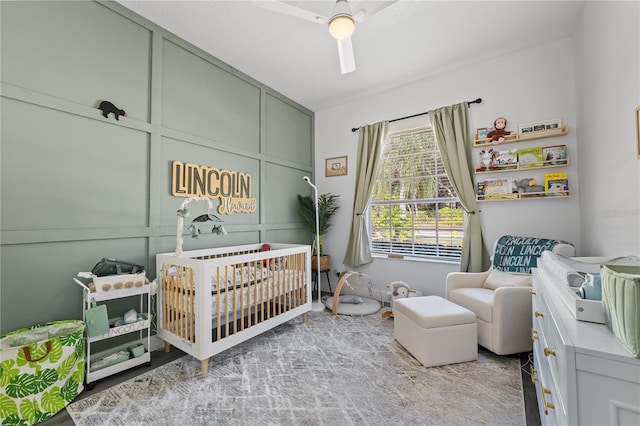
x: 248, y: 292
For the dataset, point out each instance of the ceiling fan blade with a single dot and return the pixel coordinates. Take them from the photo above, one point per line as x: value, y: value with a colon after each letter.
x: 362, y: 13
x: 288, y: 9
x: 347, y: 60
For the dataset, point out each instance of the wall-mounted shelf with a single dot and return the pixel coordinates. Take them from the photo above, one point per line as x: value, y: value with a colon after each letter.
x: 523, y: 137
x: 526, y: 196
x: 522, y: 167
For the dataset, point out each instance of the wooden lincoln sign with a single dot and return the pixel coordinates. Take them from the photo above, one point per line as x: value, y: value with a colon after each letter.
x: 232, y: 188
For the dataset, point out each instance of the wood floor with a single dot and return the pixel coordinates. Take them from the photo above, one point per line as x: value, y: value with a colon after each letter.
x: 159, y: 358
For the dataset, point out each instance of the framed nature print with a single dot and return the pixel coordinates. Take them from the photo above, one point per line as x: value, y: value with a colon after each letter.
x: 336, y: 166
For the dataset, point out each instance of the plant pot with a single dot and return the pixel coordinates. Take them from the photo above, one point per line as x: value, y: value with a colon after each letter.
x: 325, y: 259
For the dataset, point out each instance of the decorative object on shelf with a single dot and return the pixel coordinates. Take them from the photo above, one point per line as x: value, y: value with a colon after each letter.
x: 556, y: 184
x: 108, y: 108
x: 541, y: 126
x: 336, y: 166
x: 527, y: 187
x: 487, y: 157
x: 499, y: 132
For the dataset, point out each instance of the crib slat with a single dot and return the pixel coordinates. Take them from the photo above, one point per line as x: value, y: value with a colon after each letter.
x: 233, y: 301
x: 190, y: 307
x: 242, y: 269
x: 226, y: 302
x: 218, y: 316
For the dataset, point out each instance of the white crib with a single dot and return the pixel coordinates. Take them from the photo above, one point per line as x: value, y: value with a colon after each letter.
x: 213, y: 299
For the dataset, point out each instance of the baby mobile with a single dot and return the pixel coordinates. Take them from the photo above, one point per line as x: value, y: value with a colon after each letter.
x: 184, y: 212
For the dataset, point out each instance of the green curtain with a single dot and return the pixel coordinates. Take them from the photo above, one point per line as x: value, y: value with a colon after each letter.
x: 451, y: 127
x: 370, y: 145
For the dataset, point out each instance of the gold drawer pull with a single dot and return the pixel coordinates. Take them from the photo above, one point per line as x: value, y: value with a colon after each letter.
x: 546, y: 404
x: 534, y: 334
x: 548, y: 352
x: 532, y: 292
x: 539, y: 314
x: 533, y: 374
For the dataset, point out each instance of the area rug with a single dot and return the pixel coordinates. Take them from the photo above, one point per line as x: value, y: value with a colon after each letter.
x: 332, y: 370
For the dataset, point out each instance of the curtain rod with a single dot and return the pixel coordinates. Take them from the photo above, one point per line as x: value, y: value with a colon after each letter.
x: 476, y: 101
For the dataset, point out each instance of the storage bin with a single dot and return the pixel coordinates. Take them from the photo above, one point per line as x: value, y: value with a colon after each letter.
x: 136, y: 350
x: 41, y: 370
x: 621, y: 302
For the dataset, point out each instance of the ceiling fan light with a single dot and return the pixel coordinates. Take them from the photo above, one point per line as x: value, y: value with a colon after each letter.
x: 341, y: 26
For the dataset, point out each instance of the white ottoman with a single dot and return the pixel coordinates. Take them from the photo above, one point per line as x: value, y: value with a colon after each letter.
x: 435, y: 331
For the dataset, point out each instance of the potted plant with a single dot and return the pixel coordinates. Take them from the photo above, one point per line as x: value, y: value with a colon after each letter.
x: 327, y: 206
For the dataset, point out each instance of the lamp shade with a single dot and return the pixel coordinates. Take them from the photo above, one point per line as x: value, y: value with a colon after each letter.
x: 341, y: 24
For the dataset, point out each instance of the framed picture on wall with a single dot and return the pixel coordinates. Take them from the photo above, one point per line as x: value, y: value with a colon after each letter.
x: 638, y: 130
x: 336, y: 166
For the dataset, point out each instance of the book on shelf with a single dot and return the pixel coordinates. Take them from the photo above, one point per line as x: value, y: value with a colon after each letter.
x: 506, y: 159
x: 554, y: 155
x: 480, y: 191
x: 497, y: 189
x: 556, y: 184
x: 530, y: 157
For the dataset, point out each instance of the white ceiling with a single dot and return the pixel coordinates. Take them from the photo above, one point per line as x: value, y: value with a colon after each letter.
x: 407, y: 41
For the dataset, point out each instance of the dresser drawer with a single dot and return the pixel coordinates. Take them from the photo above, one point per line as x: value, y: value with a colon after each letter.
x: 550, y: 406
x: 550, y: 349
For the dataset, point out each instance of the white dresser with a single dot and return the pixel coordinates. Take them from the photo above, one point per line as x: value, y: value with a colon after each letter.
x: 582, y: 373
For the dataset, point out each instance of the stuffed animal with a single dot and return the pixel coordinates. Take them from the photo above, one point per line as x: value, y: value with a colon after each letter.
x: 499, y: 131
x: 399, y: 290
x: 486, y: 160
x: 528, y: 185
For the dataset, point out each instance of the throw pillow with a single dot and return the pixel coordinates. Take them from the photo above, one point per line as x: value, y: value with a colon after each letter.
x: 497, y: 279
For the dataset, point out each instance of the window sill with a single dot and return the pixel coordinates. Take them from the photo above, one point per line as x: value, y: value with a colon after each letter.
x: 390, y: 256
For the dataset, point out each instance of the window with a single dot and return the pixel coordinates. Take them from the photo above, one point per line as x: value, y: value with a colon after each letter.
x: 414, y: 210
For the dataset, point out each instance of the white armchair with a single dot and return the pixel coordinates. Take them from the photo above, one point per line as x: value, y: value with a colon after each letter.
x: 500, y: 296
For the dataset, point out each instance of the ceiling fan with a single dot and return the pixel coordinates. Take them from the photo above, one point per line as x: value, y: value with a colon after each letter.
x: 341, y: 22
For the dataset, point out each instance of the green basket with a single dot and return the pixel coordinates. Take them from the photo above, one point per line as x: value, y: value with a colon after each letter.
x: 621, y: 303
x: 41, y: 370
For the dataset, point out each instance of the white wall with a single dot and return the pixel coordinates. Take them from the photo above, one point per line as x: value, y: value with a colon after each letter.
x: 528, y: 85
x: 608, y: 90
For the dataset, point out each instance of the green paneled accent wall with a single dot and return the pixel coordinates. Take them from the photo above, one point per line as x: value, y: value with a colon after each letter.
x: 287, y: 131
x: 202, y: 99
x: 76, y: 187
